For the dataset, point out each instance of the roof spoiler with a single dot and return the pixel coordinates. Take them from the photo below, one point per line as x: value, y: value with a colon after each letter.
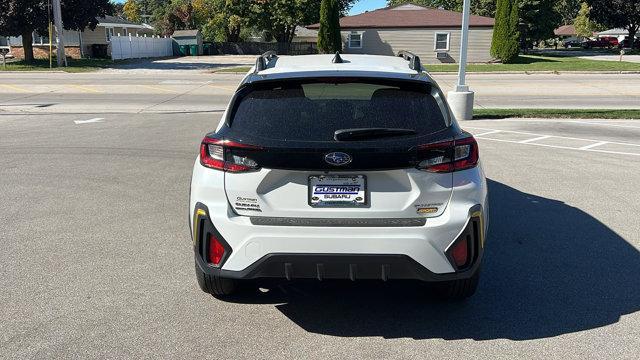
x: 413, y: 59
x: 262, y: 62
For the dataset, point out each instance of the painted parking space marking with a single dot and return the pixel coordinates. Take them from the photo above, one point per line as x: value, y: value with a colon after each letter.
x: 90, y: 121
x: 488, y: 133
x: 594, y: 145
x: 536, y: 138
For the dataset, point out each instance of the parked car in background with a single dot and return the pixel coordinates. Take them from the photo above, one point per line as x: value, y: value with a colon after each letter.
x: 625, y: 44
x: 570, y: 44
x: 601, y: 43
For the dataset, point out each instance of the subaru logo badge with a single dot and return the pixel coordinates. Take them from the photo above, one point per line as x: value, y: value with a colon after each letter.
x: 338, y: 158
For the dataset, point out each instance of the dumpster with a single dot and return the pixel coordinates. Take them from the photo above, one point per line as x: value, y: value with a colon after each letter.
x: 183, y: 50
x: 194, y: 50
x: 206, y: 49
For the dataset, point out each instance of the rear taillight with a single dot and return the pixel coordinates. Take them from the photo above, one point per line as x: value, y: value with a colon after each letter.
x: 460, y: 252
x: 216, y: 250
x: 219, y: 154
x: 449, y: 156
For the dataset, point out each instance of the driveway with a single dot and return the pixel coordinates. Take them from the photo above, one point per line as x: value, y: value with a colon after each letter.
x: 627, y: 58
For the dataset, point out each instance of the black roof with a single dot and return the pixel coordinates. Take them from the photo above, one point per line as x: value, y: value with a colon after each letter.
x: 115, y: 20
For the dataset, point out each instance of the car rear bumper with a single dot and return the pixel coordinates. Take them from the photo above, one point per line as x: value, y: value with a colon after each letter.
x: 338, y: 266
x: 375, y: 256
x: 256, y: 243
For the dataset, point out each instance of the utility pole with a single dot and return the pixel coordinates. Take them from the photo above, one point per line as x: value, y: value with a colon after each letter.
x: 50, y: 34
x: 461, y: 100
x: 57, y: 18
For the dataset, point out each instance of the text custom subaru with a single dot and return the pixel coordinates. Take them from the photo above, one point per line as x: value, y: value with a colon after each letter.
x: 338, y: 167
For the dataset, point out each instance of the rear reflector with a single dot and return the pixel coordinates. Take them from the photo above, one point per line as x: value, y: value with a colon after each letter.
x: 449, y: 156
x: 216, y: 250
x: 216, y: 154
x: 460, y: 252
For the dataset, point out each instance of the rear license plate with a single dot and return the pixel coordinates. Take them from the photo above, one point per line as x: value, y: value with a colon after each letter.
x: 338, y: 191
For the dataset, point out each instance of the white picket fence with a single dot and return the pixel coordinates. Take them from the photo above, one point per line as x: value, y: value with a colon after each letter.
x: 136, y: 47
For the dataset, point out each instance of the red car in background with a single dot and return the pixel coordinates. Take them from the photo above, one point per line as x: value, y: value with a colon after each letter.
x: 603, y: 42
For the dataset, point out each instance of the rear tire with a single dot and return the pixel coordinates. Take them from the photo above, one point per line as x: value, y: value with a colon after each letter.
x: 457, y: 290
x: 217, y: 286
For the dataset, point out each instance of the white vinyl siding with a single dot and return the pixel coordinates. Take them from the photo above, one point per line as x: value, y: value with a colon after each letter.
x: 421, y: 42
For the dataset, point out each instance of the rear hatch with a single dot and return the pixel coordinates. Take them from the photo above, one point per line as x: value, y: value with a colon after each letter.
x: 335, y: 148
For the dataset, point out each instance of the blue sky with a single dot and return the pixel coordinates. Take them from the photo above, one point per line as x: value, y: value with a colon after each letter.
x: 364, y: 5
x: 360, y: 7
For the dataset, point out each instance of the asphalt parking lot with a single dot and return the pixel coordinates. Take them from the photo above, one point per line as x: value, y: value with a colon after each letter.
x: 97, y: 259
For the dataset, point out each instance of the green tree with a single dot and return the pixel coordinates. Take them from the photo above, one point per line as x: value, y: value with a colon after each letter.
x: 478, y: 7
x: 617, y: 13
x: 505, y: 33
x: 568, y: 10
x: 23, y: 17
x: 329, y: 37
x: 583, y: 24
x: 538, y: 19
x: 280, y: 18
x: 131, y: 10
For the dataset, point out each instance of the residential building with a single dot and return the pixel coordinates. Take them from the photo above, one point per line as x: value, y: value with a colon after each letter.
x: 567, y: 33
x: 81, y: 43
x: 433, y: 34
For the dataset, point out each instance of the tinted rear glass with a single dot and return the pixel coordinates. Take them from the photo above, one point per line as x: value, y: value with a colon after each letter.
x: 314, y: 110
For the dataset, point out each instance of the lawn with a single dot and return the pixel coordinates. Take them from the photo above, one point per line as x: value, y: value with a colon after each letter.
x: 524, y: 63
x: 75, y: 65
x: 556, y: 113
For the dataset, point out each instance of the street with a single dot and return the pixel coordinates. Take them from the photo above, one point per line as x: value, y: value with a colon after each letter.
x: 143, y: 91
x: 97, y: 259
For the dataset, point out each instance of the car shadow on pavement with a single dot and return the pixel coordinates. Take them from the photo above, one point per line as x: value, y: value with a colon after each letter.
x: 549, y: 269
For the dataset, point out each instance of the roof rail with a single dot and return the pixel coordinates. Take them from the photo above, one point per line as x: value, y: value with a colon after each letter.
x: 262, y: 62
x: 413, y: 59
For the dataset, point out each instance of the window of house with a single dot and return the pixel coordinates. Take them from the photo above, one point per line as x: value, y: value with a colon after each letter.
x: 109, y: 32
x: 355, y: 40
x: 442, y: 41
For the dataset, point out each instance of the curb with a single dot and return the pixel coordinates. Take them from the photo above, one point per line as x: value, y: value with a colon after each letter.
x: 34, y: 71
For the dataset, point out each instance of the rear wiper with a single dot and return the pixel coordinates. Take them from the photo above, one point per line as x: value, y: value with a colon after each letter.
x: 370, y: 133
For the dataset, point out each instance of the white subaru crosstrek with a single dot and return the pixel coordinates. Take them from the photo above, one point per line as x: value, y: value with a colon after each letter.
x: 338, y: 167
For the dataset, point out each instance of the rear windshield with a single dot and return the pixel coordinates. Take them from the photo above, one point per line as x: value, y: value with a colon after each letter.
x: 314, y: 110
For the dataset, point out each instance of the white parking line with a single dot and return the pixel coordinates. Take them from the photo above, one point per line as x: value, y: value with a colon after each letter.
x: 534, y: 139
x: 593, y: 145
x: 488, y: 133
x: 95, y: 120
x: 550, y: 136
x: 563, y: 147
